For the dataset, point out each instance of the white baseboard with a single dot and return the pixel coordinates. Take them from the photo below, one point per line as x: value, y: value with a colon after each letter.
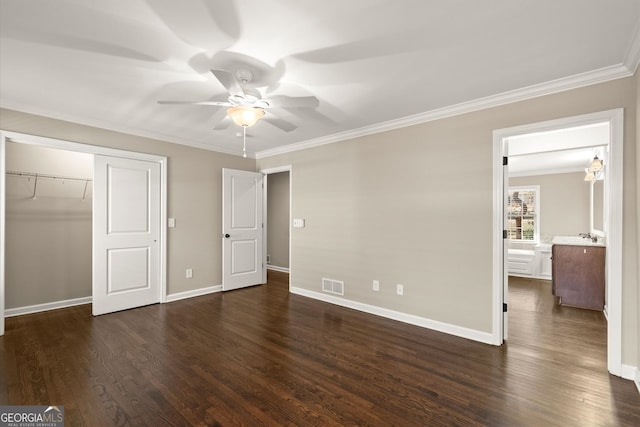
x: 632, y: 373
x: 30, y: 309
x: 195, y: 293
x: 276, y: 268
x: 459, y: 331
x: 10, y: 312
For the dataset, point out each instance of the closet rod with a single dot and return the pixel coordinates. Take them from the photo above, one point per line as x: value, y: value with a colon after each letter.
x: 44, y: 175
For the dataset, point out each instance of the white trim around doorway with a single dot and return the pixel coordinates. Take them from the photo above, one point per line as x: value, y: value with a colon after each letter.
x: 269, y: 171
x: 9, y: 136
x: 614, y: 184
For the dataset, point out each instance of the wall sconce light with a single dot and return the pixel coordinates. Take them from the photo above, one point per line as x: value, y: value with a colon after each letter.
x: 596, y: 165
x: 594, y: 171
x: 590, y: 176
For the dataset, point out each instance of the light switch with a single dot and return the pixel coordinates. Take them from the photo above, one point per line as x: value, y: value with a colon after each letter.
x: 172, y: 222
x: 298, y: 223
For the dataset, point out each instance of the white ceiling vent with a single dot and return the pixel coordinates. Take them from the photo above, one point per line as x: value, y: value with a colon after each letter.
x: 333, y: 286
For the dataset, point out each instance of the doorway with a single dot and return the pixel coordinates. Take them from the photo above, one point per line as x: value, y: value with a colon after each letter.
x: 613, y: 223
x: 14, y: 137
x: 278, y: 222
x: 277, y: 197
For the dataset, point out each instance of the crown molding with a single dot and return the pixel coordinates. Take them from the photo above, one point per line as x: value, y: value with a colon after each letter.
x: 601, y: 75
x: 29, y: 109
x: 626, y: 69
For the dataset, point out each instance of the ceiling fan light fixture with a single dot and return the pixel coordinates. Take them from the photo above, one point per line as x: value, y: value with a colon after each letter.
x: 245, y: 116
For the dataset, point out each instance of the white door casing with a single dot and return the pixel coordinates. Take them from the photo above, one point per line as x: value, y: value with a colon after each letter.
x: 126, y: 234
x: 3, y: 139
x: 242, y: 229
x: 505, y: 247
x: 265, y: 234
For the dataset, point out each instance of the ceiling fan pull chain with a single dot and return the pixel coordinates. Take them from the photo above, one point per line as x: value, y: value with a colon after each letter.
x: 244, y: 141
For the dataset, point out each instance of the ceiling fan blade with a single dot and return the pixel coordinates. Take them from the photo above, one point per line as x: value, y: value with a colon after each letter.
x: 213, y: 103
x: 229, y: 81
x: 59, y: 25
x: 199, y: 23
x: 281, y: 101
x: 374, y: 47
x: 280, y: 123
x: 305, y: 115
x: 218, y: 118
x: 222, y: 124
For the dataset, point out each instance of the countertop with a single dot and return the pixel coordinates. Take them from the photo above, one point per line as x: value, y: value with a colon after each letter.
x: 575, y: 241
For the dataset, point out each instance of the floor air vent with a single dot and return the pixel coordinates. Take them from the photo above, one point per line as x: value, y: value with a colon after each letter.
x: 333, y: 286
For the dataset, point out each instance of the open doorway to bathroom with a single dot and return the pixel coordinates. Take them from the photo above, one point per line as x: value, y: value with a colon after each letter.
x: 559, y: 204
x: 550, y: 201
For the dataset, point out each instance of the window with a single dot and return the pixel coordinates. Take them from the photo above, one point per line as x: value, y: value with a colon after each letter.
x: 523, y: 214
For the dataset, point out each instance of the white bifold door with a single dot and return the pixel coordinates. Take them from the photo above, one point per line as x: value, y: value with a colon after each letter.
x: 126, y: 234
x: 242, y: 229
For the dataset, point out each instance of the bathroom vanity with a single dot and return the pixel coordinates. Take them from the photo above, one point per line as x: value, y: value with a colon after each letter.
x: 578, y: 267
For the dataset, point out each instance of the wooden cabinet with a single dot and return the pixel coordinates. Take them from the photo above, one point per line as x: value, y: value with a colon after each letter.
x: 578, y: 275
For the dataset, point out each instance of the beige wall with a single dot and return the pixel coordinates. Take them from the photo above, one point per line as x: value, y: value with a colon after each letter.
x: 48, y: 239
x: 564, y: 203
x: 278, y: 219
x: 194, y: 192
x: 414, y: 206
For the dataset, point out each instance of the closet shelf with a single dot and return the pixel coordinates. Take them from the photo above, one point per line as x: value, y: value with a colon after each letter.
x: 37, y: 176
x: 47, y: 176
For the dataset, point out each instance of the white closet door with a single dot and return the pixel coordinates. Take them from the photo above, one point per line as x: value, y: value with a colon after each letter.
x: 126, y: 234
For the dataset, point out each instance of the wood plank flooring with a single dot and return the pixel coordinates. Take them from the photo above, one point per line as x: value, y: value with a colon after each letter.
x: 262, y: 356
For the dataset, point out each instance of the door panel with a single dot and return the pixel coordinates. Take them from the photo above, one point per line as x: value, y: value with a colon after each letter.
x: 126, y: 234
x: 242, y: 229
x: 127, y: 269
x: 133, y: 186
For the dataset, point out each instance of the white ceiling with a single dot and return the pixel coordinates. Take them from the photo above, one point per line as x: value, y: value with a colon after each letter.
x: 371, y: 63
x: 558, y: 151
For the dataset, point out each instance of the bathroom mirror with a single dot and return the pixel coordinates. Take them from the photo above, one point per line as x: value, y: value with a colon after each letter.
x: 597, y: 207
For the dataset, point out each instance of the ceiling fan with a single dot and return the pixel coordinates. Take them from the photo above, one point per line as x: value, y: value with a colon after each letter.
x: 246, y: 105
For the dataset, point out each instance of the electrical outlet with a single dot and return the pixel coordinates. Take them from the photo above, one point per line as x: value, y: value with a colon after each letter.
x: 189, y: 273
x: 376, y: 285
x: 399, y: 289
x: 172, y: 222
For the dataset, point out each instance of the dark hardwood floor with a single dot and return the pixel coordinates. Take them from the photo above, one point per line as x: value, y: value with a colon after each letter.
x: 262, y: 356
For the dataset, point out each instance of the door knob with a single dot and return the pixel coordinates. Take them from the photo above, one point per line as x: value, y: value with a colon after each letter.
x: 226, y: 236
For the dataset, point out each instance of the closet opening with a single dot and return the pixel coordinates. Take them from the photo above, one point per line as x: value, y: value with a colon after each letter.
x: 119, y: 278
x: 48, y: 228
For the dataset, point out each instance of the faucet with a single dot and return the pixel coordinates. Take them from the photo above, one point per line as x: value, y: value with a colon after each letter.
x: 594, y: 239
